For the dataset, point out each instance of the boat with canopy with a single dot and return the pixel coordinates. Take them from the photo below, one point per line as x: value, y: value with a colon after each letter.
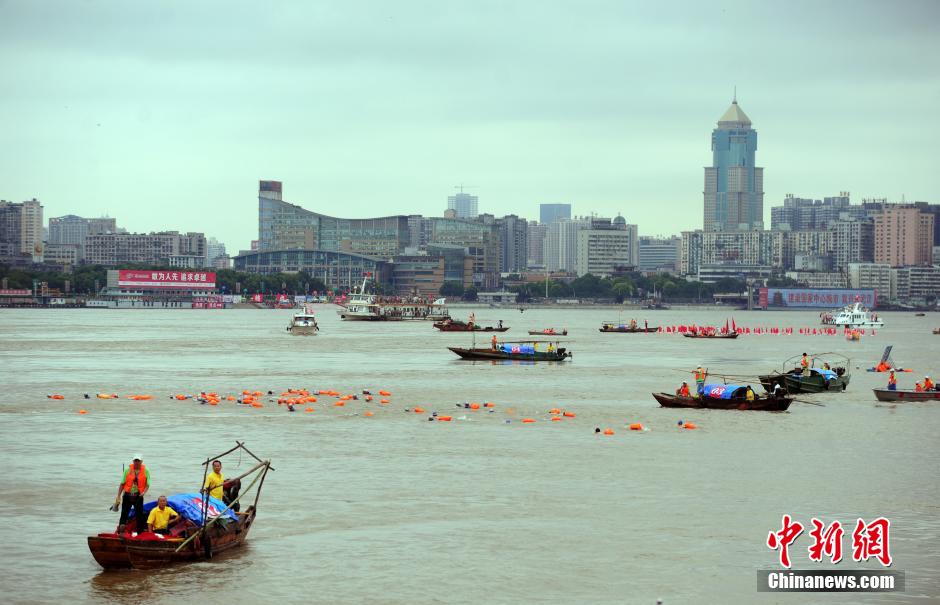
x: 520, y: 350
x: 823, y: 374
x: 207, y: 525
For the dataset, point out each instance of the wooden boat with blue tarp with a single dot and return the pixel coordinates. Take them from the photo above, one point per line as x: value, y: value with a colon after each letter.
x: 725, y: 397
x: 207, y: 526
x: 522, y: 350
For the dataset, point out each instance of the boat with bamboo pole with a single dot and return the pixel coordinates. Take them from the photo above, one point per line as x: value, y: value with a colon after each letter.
x: 826, y: 372
x: 725, y: 397
x: 207, y: 526
x: 518, y: 350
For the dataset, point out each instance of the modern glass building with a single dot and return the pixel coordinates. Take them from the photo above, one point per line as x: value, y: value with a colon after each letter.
x: 481, y: 241
x: 284, y: 226
x: 336, y: 269
x: 549, y: 213
x: 734, y: 187
x: 465, y: 206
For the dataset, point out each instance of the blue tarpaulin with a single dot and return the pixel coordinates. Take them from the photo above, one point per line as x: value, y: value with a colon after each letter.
x: 721, y: 391
x: 189, y: 506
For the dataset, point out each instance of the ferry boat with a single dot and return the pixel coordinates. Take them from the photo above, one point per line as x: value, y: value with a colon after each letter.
x: 372, y: 307
x: 853, y: 316
x: 304, y: 323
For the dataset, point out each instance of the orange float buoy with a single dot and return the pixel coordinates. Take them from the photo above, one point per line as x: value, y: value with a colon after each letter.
x: 554, y: 411
x: 384, y: 401
x: 636, y: 426
x: 690, y: 425
x: 182, y: 397
x: 528, y: 420
x: 256, y: 393
x: 82, y: 411
x: 246, y: 392
x: 368, y: 413
x: 230, y: 398
x: 569, y: 414
x: 257, y: 405
x: 55, y: 396
x: 309, y: 409
x: 339, y: 404
x: 474, y: 406
x: 489, y: 404
x: 608, y: 431
x: 419, y: 410
x: 213, y: 402
x: 556, y: 418
x: 368, y: 397
x: 443, y: 418
x: 384, y: 393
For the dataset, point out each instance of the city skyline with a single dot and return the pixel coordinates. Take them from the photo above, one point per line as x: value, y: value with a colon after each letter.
x: 103, y: 118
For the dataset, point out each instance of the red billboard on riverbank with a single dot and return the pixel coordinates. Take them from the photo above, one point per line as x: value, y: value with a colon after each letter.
x: 169, y: 280
x: 822, y: 298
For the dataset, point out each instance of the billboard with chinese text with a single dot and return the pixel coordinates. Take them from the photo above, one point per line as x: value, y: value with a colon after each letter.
x: 177, y: 280
x: 821, y: 298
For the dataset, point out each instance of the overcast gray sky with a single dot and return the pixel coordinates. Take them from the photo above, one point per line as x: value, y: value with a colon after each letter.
x: 166, y: 114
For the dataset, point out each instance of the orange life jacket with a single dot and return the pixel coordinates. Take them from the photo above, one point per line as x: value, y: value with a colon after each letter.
x: 804, y: 362
x: 699, y: 376
x: 918, y: 388
x: 928, y: 385
x: 141, y: 479
x: 684, y: 391
x: 892, y: 379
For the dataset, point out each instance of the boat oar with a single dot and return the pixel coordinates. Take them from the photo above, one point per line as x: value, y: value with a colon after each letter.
x: 809, y: 402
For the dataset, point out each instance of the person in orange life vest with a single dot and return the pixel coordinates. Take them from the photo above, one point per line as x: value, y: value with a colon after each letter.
x: 928, y: 384
x: 892, y: 382
x: 133, y: 486
x: 700, y: 375
x: 804, y: 363
x: 918, y: 388
x: 683, y: 391
x: 493, y: 342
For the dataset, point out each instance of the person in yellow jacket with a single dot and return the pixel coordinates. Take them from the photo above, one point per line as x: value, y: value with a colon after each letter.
x: 214, y: 485
x: 161, y: 517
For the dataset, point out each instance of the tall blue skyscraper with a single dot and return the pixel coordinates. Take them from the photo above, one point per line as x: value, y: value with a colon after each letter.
x: 549, y: 213
x: 734, y: 187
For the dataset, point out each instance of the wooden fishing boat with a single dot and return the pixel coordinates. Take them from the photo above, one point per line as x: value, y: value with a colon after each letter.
x: 548, y: 332
x: 627, y: 329
x: 519, y: 351
x: 819, y: 380
x: 936, y: 330
x: 906, y: 395
x: 207, y: 526
x: 455, y: 325
x: 710, y: 334
x: 725, y: 397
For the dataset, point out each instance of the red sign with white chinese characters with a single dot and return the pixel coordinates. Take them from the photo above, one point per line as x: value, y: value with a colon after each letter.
x: 178, y: 280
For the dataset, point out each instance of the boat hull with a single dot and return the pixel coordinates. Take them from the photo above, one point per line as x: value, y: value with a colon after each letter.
x: 766, y: 404
x: 886, y: 395
x: 303, y: 330
x: 559, y: 355
x: 730, y: 335
x: 467, y: 328
x: 630, y: 330
x: 542, y: 333
x: 112, y: 551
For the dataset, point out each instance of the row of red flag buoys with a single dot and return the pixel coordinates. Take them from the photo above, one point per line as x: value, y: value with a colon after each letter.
x: 772, y: 331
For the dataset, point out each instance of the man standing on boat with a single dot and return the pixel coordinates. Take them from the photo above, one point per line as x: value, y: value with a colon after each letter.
x: 131, y: 490
x: 892, y: 381
x: 700, y: 376
x: 804, y: 363
x: 215, y: 481
x: 493, y: 342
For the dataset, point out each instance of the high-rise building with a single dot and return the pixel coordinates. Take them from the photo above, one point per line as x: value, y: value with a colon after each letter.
x: 734, y: 186
x: 801, y: 214
x: 214, y: 249
x: 535, y: 240
x: 513, y: 238
x: 903, y: 236
x: 731, y: 249
x: 21, y: 232
x: 659, y: 254
x: 481, y: 241
x: 549, y: 213
x: 561, y: 244
x: 172, y: 247
x: 463, y: 204
x: 607, y: 247
x: 71, y: 229
x: 852, y: 242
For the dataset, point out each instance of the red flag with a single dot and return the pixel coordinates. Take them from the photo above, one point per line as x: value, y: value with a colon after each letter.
x: 733, y: 326
x: 726, y: 325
